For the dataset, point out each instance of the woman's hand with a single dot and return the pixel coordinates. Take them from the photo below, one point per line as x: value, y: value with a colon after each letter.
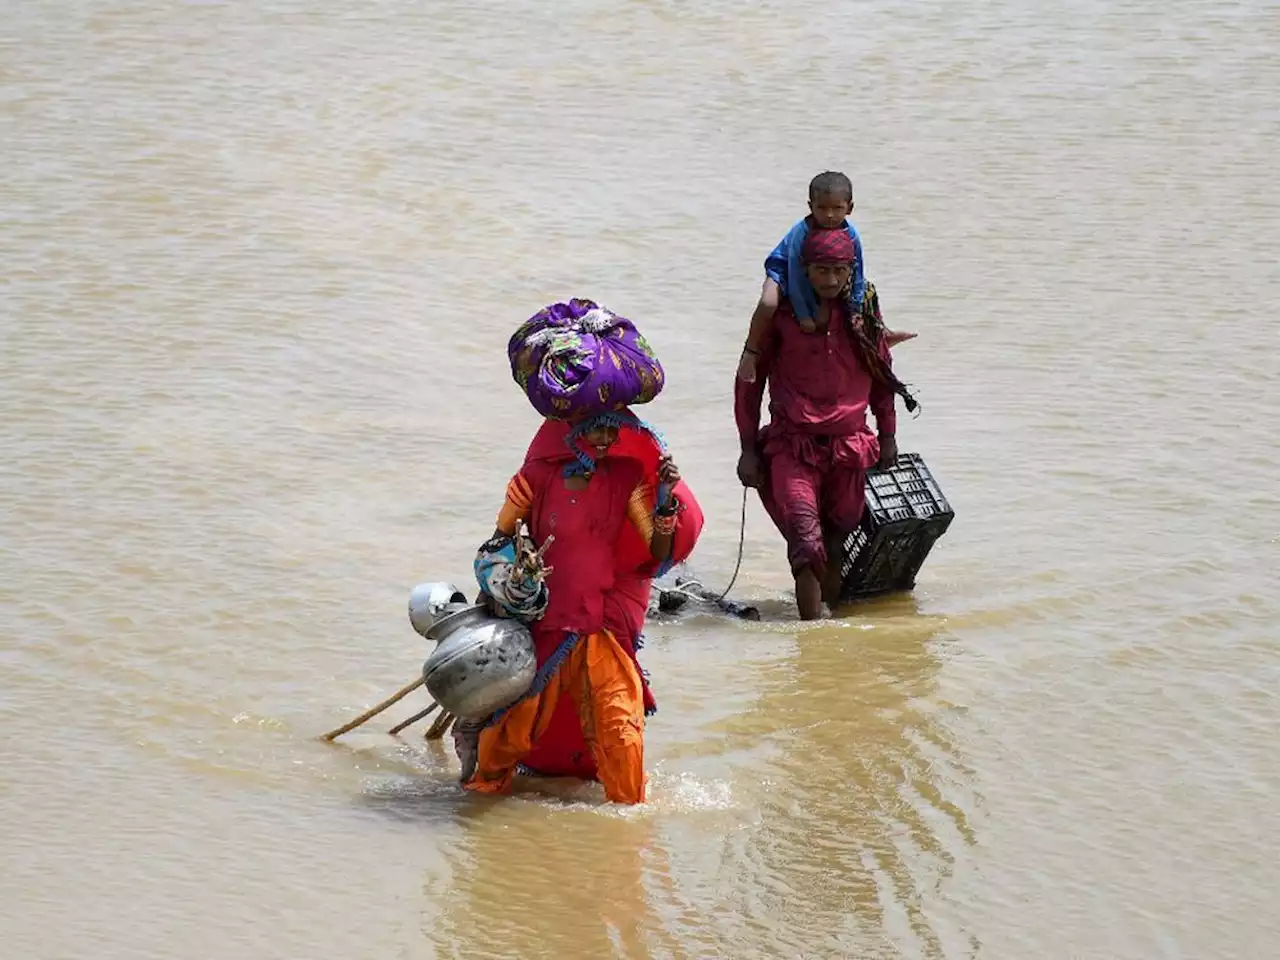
x: 664, y: 515
x: 668, y: 472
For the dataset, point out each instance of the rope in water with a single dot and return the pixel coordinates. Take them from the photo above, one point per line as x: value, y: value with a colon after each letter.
x: 685, y: 587
x: 742, y: 536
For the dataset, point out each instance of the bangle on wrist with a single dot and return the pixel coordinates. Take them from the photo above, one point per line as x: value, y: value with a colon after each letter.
x: 664, y: 524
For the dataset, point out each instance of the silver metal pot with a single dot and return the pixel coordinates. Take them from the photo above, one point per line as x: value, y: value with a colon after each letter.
x: 428, y: 602
x: 482, y: 663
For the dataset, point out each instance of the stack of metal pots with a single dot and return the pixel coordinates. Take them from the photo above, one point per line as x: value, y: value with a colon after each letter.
x: 481, y: 663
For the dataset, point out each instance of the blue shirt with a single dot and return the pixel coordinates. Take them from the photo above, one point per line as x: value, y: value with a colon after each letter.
x: 785, y: 263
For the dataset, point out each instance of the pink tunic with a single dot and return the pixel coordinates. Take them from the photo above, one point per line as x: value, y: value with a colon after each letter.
x: 817, y: 445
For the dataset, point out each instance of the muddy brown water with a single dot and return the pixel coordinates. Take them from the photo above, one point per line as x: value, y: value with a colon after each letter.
x: 258, y: 264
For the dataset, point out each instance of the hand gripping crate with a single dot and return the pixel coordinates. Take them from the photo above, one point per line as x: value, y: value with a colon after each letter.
x: 906, y: 512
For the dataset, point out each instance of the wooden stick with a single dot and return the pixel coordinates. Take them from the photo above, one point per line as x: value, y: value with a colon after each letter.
x: 414, y: 719
x: 374, y: 711
x: 441, y: 726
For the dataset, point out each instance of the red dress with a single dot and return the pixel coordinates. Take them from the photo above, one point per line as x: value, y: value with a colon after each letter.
x: 562, y: 751
x: 588, y: 721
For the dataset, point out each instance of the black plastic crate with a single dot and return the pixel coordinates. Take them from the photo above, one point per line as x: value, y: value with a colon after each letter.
x: 906, y: 513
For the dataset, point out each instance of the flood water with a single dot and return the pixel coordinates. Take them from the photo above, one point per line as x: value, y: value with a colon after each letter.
x: 258, y: 266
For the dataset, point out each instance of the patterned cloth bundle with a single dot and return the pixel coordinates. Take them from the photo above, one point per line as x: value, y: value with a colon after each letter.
x: 577, y: 359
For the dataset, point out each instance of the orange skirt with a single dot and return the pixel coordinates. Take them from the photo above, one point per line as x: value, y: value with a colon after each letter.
x: 604, y: 684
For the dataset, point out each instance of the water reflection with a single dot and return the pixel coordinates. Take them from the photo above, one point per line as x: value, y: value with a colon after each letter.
x: 535, y: 876
x: 551, y: 871
x: 840, y: 850
x: 861, y: 819
x: 416, y: 786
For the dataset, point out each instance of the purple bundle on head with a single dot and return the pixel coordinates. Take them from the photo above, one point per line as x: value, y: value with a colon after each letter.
x: 578, y: 359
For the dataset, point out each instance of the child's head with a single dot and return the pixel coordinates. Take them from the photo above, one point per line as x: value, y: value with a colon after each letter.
x: 830, y: 199
x: 828, y: 261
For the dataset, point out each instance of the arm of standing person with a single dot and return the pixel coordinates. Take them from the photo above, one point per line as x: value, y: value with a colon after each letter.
x: 748, y: 398
x: 515, y: 510
x: 760, y: 320
x: 784, y: 277
x: 656, y: 522
x: 882, y: 407
x: 515, y: 507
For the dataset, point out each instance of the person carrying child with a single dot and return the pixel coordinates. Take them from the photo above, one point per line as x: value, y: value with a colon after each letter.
x: 810, y: 461
x: 830, y: 204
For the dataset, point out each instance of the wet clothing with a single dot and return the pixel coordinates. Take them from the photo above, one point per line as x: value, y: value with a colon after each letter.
x: 602, y: 531
x: 785, y: 266
x: 562, y: 751
x: 817, y: 446
x: 602, y: 684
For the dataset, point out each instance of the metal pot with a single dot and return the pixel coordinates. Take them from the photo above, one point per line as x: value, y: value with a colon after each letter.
x: 428, y: 602
x: 482, y: 663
